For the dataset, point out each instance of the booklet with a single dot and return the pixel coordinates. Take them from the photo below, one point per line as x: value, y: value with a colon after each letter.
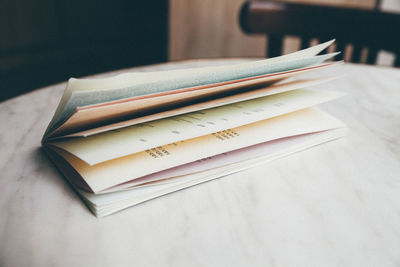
x: 123, y: 140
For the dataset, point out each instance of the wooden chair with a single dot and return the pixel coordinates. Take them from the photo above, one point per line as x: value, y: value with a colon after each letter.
x: 364, y: 29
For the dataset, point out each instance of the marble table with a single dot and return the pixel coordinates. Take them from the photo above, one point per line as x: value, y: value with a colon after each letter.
x: 336, y: 204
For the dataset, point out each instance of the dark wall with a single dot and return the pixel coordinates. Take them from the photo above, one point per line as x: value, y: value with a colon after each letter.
x: 47, y: 41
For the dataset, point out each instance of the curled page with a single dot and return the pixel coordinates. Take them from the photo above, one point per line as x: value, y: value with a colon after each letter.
x: 114, y: 144
x: 86, y: 92
x: 120, y: 113
x: 110, y: 173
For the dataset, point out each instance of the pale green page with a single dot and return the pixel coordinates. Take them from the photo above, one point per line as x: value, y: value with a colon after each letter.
x: 155, y: 82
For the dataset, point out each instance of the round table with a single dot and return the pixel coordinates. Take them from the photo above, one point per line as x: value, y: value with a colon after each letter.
x: 337, y: 204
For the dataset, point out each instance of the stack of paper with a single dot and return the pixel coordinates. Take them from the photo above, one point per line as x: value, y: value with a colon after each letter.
x: 123, y: 140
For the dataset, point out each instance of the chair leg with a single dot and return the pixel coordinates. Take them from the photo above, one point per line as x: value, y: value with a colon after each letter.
x: 372, y: 55
x: 305, y: 42
x: 356, y: 54
x: 397, y: 60
x: 275, y: 44
x: 340, y: 48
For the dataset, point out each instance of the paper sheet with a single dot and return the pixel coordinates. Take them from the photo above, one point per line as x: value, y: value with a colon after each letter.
x: 113, y: 172
x: 93, y: 115
x: 97, y: 91
x: 115, y: 144
x: 243, y: 154
x: 109, y: 203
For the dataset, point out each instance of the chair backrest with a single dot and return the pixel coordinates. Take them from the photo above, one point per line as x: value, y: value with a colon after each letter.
x: 363, y: 29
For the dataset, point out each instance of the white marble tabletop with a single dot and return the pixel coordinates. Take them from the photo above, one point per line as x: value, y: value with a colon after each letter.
x: 336, y: 204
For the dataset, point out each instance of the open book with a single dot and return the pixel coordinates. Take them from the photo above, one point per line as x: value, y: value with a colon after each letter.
x: 123, y: 140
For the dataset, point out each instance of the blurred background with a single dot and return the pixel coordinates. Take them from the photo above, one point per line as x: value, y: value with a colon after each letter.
x: 47, y: 41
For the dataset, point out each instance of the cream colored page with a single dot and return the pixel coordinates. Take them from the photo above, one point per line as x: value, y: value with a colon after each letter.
x: 113, y: 172
x: 114, y: 144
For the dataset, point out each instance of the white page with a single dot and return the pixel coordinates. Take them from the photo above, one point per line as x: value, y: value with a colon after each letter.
x: 114, y: 200
x: 109, y: 203
x: 113, y: 172
x: 239, y: 155
x: 115, y: 144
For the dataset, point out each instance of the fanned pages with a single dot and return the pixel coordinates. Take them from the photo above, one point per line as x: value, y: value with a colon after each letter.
x: 123, y: 140
x: 115, y: 144
x: 116, y: 114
